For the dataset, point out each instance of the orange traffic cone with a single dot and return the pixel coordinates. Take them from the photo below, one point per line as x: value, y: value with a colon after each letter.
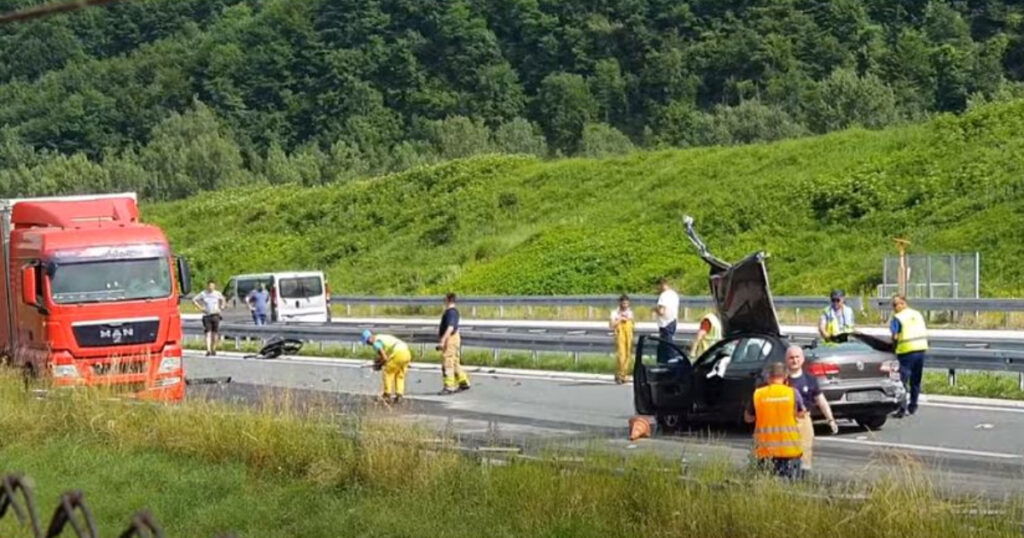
x: 639, y: 427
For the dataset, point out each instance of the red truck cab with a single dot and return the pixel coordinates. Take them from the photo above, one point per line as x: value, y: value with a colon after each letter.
x: 89, y: 296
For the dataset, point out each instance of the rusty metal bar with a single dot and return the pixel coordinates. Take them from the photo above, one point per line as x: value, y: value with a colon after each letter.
x: 143, y: 525
x: 46, y: 10
x: 72, y: 503
x: 26, y: 513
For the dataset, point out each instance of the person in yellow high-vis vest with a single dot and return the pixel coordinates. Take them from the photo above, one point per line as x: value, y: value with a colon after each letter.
x: 622, y: 324
x: 837, y: 319
x: 393, y: 358
x: 910, y: 334
x: 774, y: 411
x: 709, y: 332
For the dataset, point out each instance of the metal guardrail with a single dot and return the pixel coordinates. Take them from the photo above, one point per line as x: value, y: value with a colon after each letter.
x: 947, y: 352
x: 685, y: 301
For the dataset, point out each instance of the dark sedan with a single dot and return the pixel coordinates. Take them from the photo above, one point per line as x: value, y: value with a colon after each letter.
x: 859, y: 376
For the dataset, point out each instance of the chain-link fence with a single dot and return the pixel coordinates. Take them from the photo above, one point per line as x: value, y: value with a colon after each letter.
x: 941, y: 276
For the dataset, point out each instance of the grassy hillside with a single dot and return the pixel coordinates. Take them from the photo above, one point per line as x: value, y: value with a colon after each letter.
x: 825, y: 208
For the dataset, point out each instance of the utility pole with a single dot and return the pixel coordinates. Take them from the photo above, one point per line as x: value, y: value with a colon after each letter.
x: 901, y: 278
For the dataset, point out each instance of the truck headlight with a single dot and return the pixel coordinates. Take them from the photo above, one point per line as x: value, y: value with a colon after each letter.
x: 168, y: 381
x: 65, y: 370
x: 169, y: 364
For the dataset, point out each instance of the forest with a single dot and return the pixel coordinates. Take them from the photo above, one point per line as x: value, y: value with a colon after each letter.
x: 173, y: 97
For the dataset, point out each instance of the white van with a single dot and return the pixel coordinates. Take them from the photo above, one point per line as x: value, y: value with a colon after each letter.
x: 294, y: 296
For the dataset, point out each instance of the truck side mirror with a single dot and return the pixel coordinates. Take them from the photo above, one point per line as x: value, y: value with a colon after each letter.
x: 28, y: 285
x: 184, y: 276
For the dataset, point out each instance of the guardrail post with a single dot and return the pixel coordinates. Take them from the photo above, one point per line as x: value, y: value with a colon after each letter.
x: 238, y: 344
x: 348, y: 309
x: 472, y: 311
x: 576, y: 358
x: 533, y: 356
x: 590, y: 312
x: 501, y: 311
x: 952, y: 377
x: 373, y: 309
x: 495, y: 355
x: 1020, y: 381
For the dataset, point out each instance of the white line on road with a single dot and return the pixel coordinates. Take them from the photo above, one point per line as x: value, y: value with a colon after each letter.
x: 922, y: 448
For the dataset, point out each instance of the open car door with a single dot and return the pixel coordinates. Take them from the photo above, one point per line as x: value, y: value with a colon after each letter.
x: 740, y: 291
x: 661, y: 388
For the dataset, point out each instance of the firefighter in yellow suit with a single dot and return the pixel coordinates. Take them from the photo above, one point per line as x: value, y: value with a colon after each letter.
x: 776, y: 407
x: 622, y: 325
x: 393, y: 357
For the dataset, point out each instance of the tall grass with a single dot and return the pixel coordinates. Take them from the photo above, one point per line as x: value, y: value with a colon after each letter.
x: 289, y: 468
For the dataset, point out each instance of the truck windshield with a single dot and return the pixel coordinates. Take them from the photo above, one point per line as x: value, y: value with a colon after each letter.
x: 111, y: 280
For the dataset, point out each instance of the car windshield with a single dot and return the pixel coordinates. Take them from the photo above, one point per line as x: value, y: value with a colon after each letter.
x: 110, y: 280
x: 301, y: 287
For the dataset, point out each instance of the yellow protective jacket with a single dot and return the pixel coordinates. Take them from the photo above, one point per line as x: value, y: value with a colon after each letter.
x: 913, y: 335
x: 775, y: 431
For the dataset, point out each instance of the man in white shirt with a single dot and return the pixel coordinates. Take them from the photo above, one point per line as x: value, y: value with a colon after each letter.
x: 666, y: 313
x: 210, y: 302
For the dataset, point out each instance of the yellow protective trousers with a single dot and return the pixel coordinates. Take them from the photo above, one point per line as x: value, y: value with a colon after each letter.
x: 454, y: 375
x: 393, y: 373
x: 623, y: 349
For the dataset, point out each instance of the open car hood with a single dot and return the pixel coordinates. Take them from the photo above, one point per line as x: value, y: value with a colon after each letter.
x: 740, y: 291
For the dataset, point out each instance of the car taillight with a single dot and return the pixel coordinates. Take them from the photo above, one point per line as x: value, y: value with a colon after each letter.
x: 822, y: 369
x: 890, y: 366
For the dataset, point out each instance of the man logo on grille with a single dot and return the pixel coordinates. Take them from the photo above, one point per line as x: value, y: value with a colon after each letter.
x: 116, y: 335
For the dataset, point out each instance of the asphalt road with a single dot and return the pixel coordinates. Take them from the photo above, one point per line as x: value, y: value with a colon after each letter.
x: 963, y: 447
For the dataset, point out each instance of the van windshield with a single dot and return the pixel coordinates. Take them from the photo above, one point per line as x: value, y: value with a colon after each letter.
x: 111, y: 280
x: 301, y: 287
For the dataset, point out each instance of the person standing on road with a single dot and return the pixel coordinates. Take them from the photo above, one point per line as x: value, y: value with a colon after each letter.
x: 393, y: 358
x: 259, y: 304
x: 709, y: 332
x: 622, y: 325
x: 211, y: 302
x: 809, y: 392
x: 837, y: 319
x: 910, y: 334
x: 774, y: 412
x: 450, y: 345
x: 667, y: 312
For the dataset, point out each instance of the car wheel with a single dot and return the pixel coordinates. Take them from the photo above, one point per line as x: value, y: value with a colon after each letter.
x: 669, y: 423
x: 874, y: 422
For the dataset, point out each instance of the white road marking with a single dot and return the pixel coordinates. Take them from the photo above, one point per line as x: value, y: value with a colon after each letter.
x: 922, y: 448
x: 995, y: 408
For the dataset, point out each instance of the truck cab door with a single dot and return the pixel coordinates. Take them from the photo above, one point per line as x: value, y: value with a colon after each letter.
x: 661, y: 388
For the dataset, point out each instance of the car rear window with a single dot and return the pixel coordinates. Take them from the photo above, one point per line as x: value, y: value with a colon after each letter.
x: 247, y: 285
x: 301, y: 287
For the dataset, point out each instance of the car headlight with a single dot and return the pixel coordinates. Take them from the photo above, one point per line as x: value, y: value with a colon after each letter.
x: 169, y: 364
x: 65, y: 370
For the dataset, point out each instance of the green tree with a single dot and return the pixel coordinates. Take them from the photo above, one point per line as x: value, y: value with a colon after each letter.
x: 601, y: 139
x: 458, y: 136
x: 609, y: 89
x: 565, y: 105
x: 845, y: 99
x: 191, y: 152
x: 519, y: 136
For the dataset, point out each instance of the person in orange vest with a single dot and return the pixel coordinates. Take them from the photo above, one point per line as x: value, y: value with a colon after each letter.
x: 622, y: 324
x: 774, y: 411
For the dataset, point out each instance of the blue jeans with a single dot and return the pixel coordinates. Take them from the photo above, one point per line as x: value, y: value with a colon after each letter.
x: 911, y: 370
x: 259, y: 318
x: 782, y: 467
x: 666, y: 334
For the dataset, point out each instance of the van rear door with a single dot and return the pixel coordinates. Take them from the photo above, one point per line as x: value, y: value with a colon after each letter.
x: 302, y: 297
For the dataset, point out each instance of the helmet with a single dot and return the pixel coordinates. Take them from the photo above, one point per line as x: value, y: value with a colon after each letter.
x: 365, y: 338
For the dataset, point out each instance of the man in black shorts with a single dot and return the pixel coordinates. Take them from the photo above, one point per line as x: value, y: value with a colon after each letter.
x: 210, y: 302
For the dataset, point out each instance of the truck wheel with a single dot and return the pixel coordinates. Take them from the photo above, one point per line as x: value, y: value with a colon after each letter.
x: 874, y: 422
